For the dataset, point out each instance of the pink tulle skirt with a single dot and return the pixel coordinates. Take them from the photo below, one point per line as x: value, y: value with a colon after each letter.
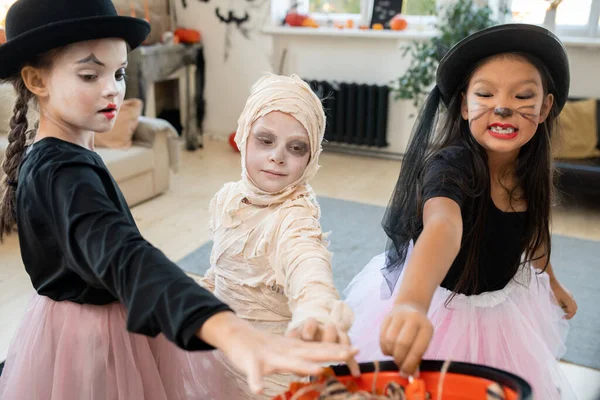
x: 68, y: 351
x: 519, y: 329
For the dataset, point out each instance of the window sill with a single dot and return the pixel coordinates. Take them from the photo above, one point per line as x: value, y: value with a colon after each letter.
x: 406, y: 35
x: 581, y: 41
x: 409, y: 34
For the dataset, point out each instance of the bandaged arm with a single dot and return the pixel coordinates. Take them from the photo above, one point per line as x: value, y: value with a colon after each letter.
x: 303, y: 268
x: 208, y: 280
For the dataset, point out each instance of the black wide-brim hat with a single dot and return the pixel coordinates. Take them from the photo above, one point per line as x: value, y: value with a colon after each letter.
x: 34, y: 27
x: 508, y: 38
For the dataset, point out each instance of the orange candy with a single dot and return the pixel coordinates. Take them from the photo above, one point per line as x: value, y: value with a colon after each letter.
x: 416, y: 390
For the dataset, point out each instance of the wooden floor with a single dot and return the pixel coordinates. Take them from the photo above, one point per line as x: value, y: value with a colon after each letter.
x: 177, y: 223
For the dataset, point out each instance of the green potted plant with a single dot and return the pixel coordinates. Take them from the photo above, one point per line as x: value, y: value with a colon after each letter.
x: 455, y: 22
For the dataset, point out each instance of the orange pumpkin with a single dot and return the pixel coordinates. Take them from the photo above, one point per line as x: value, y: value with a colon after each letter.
x: 232, y: 142
x: 398, y: 23
x: 188, y: 35
x: 309, y: 22
x: 295, y: 19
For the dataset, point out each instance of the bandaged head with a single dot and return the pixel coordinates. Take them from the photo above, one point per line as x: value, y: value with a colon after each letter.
x: 293, y: 96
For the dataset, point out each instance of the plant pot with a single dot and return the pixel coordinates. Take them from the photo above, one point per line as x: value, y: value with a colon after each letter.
x: 463, y: 381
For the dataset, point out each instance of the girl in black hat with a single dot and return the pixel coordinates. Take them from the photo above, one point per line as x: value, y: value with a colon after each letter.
x: 110, y: 308
x: 467, y: 273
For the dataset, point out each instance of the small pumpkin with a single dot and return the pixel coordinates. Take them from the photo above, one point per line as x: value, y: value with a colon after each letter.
x: 398, y: 23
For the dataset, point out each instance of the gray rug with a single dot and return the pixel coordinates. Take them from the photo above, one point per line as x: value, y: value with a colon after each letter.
x: 357, y: 237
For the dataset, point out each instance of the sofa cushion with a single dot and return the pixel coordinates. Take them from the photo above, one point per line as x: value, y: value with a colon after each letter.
x: 127, y: 163
x: 578, y: 136
x: 122, y: 163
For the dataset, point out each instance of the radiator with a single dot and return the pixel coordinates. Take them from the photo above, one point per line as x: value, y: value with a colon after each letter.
x: 357, y: 114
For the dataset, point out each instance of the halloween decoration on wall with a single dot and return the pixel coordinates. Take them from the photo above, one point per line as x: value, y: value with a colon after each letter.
x: 245, y: 20
x: 232, y: 19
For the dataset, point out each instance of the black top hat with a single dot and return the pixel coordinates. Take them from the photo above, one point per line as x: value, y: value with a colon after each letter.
x: 36, y: 26
x: 507, y: 38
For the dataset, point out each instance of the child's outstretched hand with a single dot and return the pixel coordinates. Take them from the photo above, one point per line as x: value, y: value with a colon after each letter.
x: 565, y: 299
x: 405, y: 335
x: 257, y: 353
x: 312, y: 331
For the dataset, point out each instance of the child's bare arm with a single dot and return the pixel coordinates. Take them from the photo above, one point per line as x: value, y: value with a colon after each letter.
x: 406, y: 331
x: 433, y: 253
x: 539, y: 262
x: 563, y: 296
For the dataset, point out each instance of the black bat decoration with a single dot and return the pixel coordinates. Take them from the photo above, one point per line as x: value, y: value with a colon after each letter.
x: 184, y: 2
x: 231, y: 19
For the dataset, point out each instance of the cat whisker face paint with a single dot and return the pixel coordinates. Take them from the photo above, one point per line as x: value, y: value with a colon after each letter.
x: 479, y: 111
x: 528, y: 115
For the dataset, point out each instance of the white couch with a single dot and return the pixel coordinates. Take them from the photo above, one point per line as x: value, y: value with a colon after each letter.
x: 142, y: 171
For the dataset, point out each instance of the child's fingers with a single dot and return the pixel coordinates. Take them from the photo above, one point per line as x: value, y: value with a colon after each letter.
x: 404, y: 343
x: 295, y: 365
x: 569, y: 307
x: 419, y: 346
x: 316, y: 352
x: 255, y: 376
x: 352, y: 363
x: 389, y: 335
x: 294, y: 334
x: 570, y: 312
x: 330, y: 334
x: 310, y: 329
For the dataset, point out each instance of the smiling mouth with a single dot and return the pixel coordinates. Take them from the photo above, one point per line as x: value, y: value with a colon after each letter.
x: 503, y: 131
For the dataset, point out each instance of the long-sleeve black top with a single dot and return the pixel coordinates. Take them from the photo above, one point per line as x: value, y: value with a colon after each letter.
x: 79, y: 242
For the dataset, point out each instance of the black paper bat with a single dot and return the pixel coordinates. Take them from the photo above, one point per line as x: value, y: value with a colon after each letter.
x: 184, y: 2
x: 231, y: 19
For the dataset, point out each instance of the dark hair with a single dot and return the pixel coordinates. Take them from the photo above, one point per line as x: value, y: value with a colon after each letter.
x: 18, y: 138
x: 433, y: 132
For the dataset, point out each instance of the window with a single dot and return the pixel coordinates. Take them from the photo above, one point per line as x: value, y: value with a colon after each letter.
x: 573, y: 13
x: 4, y: 6
x: 573, y: 17
x: 360, y: 10
x: 335, y: 6
x: 418, y: 7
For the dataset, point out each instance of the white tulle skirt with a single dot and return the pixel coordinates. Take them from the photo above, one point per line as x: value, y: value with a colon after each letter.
x: 519, y: 329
